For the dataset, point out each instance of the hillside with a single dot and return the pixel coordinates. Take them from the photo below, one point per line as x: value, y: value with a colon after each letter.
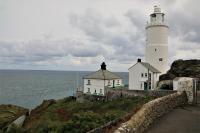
x: 67, y: 115
x: 8, y: 113
x: 183, y: 68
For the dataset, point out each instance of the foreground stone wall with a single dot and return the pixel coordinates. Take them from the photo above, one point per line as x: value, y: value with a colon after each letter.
x: 151, y: 111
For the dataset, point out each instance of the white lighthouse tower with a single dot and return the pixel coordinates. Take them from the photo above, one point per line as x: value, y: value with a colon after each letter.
x: 157, y: 41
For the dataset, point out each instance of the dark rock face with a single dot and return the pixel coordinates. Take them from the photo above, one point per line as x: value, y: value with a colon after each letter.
x: 182, y: 68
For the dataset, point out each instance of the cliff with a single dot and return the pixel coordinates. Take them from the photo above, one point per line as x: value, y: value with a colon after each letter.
x: 182, y: 68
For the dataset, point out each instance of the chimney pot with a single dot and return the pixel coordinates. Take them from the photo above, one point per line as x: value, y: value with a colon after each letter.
x: 103, y: 66
x: 139, y: 60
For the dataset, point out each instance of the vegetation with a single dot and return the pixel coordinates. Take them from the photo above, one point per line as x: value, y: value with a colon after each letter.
x: 69, y: 116
x: 183, y: 68
x: 9, y: 113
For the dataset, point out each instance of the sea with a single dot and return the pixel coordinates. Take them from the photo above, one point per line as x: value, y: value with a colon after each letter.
x: 28, y: 88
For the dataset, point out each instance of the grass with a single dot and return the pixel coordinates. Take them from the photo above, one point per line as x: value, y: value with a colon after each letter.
x: 9, y: 113
x: 69, y: 116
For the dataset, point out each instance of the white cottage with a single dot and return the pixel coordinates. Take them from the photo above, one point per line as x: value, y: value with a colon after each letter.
x: 96, y: 82
x: 143, y: 76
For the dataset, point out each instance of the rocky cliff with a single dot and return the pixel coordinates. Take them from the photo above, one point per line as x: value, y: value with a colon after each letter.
x: 183, y: 68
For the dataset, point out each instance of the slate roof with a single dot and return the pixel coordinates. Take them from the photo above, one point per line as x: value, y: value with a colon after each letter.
x: 102, y: 74
x: 148, y: 66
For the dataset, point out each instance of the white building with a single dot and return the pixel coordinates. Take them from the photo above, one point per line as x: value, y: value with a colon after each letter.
x: 96, y: 82
x: 157, y: 41
x: 143, y: 76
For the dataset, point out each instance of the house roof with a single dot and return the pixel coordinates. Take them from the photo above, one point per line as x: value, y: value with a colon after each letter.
x: 102, y: 74
x: 148, y: 66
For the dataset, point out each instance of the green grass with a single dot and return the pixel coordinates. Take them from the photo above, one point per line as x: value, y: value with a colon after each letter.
x: 69, y: 116
x: 9, y: 113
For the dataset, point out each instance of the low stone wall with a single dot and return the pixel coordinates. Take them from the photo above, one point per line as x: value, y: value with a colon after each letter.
x: 113, y: 94
x: 151, y: 111
x: 123, y: 93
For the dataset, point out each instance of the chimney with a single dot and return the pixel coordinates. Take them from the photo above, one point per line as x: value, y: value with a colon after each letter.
x: 103, y: 66
x: 139, y: 60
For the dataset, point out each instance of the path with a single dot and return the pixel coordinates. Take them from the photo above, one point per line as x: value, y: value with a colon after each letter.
x: 180, y: 120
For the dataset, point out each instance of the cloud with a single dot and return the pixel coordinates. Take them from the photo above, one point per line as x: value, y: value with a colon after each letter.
x: 80, y: 36
x: 112, y: 33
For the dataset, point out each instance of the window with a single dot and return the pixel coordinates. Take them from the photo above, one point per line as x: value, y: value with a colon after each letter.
x: 155, y: 49
x: 117, y: 81
x: 149, y: 76
x: 160, y: 59
x: 145, y: 74
x: 95, y: 91
x: 100, y: 91
x: 142, y: 75
x: 88, y: 90
x: 88, y: 82
x: 108, y: 82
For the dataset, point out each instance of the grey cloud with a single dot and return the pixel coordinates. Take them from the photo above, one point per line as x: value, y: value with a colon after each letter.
x: 124, y: 42
x: 40, y: 50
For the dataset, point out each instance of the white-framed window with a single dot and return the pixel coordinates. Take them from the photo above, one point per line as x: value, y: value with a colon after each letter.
x: 142, y: 75
x: 88, y: 90
x: 145, y: 74
x: 95, y: 91
x: 108, y: 82
x: 118, y: 82
x: 88, y: 83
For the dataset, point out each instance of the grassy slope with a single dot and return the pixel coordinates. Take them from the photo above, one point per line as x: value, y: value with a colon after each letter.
x: 9, y: 113
x: 68, y: 115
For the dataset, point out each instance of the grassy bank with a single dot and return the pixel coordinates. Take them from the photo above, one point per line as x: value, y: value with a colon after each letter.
x: 67, y: 115
x: 9, y: 113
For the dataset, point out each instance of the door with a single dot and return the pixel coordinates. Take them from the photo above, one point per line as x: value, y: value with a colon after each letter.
x: 145, y: 85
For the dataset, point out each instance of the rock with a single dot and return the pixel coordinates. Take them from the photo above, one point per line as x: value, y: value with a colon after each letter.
x: 165, y: 85
x: 182, y: 68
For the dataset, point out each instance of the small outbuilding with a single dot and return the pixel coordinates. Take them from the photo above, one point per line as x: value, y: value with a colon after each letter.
x: 96, y: 82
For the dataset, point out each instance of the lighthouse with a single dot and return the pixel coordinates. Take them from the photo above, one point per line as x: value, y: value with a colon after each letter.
x: 157, y: 41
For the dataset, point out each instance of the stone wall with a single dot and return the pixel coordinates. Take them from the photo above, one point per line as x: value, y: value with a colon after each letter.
x: 113, y: 94
x: 150, y: 111
x: 123, y: 93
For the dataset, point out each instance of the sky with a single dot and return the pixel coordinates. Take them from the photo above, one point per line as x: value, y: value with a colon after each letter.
x: 81, y: 34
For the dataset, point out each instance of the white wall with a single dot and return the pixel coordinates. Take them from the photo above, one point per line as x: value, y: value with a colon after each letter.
x: 94, y: 84
x: 116, y: 84
x: 157, y: 35
x: 153, y: 55
x: 100, y: 84
x: 135, y: 79
x: 185, y: 84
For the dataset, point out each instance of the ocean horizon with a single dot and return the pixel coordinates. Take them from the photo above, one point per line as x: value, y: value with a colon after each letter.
x: 28, y: 88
